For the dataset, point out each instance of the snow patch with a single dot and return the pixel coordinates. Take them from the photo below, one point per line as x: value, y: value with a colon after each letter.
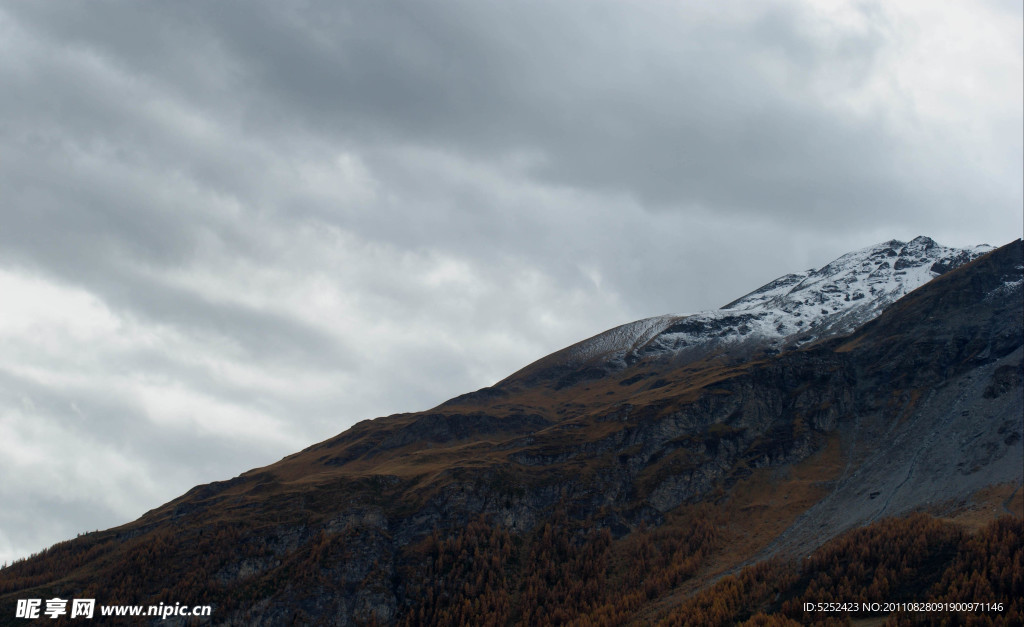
x: 792, y: 310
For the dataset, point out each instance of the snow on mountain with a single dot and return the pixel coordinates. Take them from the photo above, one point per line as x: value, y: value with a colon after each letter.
x: 790, y: 311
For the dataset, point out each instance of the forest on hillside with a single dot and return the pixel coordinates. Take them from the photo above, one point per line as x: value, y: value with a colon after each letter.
x: 569, y: 573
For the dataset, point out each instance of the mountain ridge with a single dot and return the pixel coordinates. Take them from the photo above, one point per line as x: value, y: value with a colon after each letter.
x: 764, y: 457
x: 833, y: 300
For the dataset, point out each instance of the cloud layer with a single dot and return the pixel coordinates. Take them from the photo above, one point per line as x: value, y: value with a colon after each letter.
x: 230, y: 230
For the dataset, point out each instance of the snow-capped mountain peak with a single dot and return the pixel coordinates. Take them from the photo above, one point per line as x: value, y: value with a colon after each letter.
x: 857, y: 286
x: 792, y: 310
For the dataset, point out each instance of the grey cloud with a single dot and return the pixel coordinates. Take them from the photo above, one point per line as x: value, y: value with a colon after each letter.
x: 668, y: 121
x: 109, y: 416
x: 261, y: 334
x: 680, y: 121
x: 82, y: 488
x: 674, y: 112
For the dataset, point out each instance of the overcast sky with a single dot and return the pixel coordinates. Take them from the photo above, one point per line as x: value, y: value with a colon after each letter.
x: 230, y: 230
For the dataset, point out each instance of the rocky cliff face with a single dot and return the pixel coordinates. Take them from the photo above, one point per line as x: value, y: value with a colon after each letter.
x: 806, y: 436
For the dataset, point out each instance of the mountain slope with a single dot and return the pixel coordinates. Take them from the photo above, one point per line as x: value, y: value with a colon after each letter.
x: 790, y: 311
x: 610, y: 487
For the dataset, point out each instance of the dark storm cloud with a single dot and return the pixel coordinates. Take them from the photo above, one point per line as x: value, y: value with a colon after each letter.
x: 681, y: 113
x: 681, y: 110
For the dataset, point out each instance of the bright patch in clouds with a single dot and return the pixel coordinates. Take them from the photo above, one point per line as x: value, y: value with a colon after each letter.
x: 52, y: 316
